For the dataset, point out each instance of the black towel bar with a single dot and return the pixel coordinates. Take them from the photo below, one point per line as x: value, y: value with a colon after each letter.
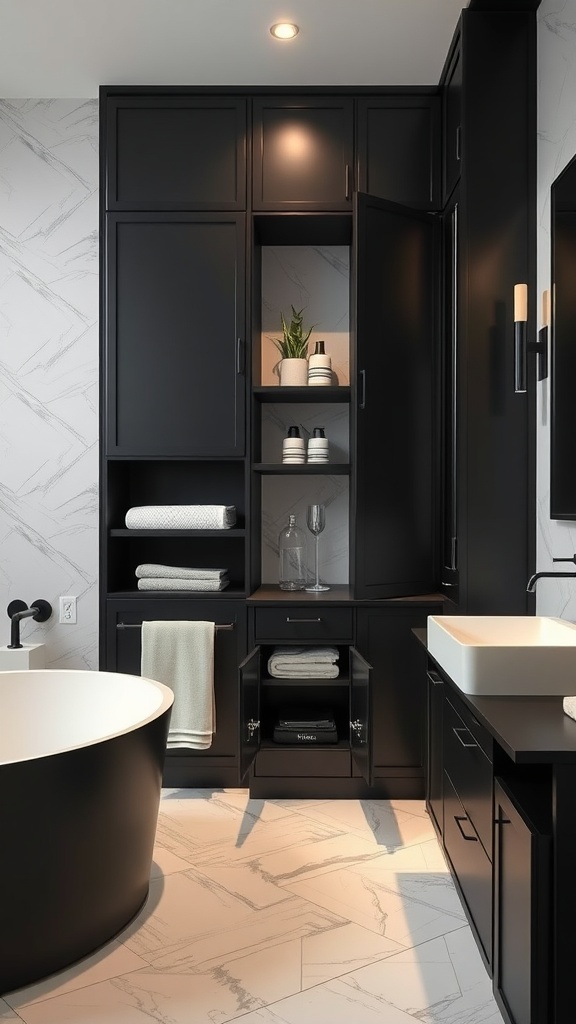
x: 138, y: 625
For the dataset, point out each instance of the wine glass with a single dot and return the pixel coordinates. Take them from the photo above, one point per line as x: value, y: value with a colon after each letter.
x: 316, y: 521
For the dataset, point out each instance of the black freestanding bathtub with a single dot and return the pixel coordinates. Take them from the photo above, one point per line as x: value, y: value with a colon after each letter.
x: 81, y: 758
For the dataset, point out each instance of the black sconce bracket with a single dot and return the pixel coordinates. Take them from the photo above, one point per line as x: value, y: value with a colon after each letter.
x: 522, y: 347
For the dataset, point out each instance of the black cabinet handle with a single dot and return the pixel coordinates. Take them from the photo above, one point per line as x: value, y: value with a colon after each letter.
x: 462, y: 817
x: 435, y: 679
x: 457, y: 731
x: 362, y: 400
x: 288, y: 619
x: 239, y: 356
x: 458, y: 138
x: 347, y: 181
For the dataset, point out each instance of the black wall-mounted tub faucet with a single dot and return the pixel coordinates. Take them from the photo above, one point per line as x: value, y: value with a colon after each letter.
x: 39, y: 610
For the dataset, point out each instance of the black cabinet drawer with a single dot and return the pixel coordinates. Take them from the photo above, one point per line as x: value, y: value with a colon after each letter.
x: 470, y: 772
x: 472, y: 868
x: 302, y: 762
x: 316, y: 623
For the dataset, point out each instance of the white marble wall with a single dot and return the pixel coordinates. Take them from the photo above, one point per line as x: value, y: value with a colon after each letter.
x: 556, y: 147
x: 49, y: 368
x: 317, y: 279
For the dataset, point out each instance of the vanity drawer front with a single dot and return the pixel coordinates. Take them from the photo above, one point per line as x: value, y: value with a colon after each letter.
x: 303, y: 762
x: 317, y: 623
x: 472, y: 867
x: 470, y: 772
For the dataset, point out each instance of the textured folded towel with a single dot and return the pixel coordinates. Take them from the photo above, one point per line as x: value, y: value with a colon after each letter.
x: 181, y: 655
x: 304, y: 663
x: 181, y: 517
x: 569, y: 706
x: 164, y: 583
x: 176, y: 572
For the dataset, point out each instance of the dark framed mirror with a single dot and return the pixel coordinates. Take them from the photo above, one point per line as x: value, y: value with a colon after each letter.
x: 563, y: 342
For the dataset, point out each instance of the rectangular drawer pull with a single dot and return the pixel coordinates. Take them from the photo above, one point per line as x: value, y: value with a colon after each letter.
x: 462, y: 817
x: 288, y: 619
x: 458, y: 731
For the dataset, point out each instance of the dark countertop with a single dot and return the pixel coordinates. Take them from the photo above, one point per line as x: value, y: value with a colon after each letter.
x: 339, y: 593
x: 529, y: 729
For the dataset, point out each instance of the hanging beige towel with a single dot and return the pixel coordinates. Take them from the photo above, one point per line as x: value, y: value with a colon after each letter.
x: 181, y: 655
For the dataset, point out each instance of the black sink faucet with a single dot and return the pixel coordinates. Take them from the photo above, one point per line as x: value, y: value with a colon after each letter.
x: 556, y: 575
x: 39, y: 610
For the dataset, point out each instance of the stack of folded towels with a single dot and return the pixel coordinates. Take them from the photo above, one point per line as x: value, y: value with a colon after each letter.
x: 181, y: 517
x: 303, y: 663
x: 176, y: 577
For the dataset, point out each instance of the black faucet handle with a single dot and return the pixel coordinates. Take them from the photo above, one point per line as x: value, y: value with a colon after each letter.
x: 573, y: 559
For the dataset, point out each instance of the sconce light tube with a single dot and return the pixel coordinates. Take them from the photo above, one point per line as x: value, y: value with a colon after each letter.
x: 520, y: 336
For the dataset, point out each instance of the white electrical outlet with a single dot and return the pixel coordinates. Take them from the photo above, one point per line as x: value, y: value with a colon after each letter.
x: 68, y: 610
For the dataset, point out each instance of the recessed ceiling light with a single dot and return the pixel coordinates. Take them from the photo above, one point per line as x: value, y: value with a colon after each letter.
x: 284, y: 30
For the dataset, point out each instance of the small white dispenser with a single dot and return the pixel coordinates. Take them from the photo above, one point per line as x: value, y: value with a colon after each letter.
x: 293, y: 449
x: 319, y: 367
x: 318, y: 446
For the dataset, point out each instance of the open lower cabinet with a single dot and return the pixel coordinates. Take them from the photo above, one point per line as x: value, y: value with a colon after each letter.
x: 264, y: 699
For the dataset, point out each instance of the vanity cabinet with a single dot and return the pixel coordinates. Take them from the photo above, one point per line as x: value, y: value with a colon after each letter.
x: 218, y: 765
x: 176, y: 152
x: 303, y: 151
x: 522, y: 900
x: 175, y: 327
x: 434, y: 743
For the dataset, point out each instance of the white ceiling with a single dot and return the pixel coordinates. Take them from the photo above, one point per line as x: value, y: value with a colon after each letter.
x: 59, y: 48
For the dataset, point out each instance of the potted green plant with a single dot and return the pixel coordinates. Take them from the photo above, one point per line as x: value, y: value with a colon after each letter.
x: 293, y: 347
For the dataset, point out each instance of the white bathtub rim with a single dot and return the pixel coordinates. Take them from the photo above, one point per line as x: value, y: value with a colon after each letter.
x: 165, y: 703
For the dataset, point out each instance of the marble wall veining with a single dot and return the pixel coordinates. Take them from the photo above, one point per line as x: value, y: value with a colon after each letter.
x: 556, y: 147
x: 49, y: 368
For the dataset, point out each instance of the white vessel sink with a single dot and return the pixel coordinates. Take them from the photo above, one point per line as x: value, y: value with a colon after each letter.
x: 498, y: 655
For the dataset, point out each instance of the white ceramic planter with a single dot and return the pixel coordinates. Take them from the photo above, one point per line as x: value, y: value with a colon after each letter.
x: 294, y: 373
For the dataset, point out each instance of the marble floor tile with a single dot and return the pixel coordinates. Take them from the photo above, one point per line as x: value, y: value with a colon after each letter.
x: 270, y: 838
x: 296, y: 919
x: 202, y: 807
x: 303, y: 861
x: 384, y: 825
x: 8, y: 1015
x: 381, y: 906
x: 329, y: 954
x: 109, y: 962
x: 427, y: 887
x: 164, y: 862
x: 179, y: 907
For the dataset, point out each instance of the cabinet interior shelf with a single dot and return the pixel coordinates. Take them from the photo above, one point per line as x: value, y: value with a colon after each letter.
x: 272, y: 681
x: 275, y: 393
x: 175, y: 595
x: 176, y: 533
x: 306, y: 469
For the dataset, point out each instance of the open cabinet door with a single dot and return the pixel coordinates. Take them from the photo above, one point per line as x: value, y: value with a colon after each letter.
x: 394, y: 326
x: 249, y: 711
x: 361, y: 714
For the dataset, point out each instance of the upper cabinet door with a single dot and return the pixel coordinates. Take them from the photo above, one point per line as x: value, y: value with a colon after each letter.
x: 176, y: 153
x: 303, y: 152
x: 174, y: 383
x: 394, y: 322
x: 452, y: 118
x: 399, y: 149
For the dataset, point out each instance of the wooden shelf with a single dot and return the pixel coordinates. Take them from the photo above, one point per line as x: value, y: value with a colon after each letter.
x: 314, y: 395
x: 176, y: 533
x: 302, y: 469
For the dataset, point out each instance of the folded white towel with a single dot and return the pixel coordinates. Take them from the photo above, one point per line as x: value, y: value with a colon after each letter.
x: 150, y: 570
x: 163, y: 583
x: 304, y: 662
x: 181, y: 517
x: 569, y: 705
x: 181, y: 655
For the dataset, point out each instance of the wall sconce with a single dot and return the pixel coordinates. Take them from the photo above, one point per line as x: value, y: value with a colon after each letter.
x: 520, y: 339
x: 521, y: 346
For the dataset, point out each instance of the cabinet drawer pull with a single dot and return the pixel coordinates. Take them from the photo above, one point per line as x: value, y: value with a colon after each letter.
x: 462, y: 817
x: 458, y: 142
x: 288, y: 619
x: 239, y: 356
x: 435, y: 679
x: 457, y: 731
x: 347, y: 181
x: 362, y: 399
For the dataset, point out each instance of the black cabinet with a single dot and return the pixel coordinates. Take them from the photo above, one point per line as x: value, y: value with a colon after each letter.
x: 398, y: 707
x: 394, y: 288
x: 218, y: 765
x: 522, y: 902
x: 303, y: 153
x: 398, y: 149
x: 452, y: 119
x: 174, y: 358
x: 471, y: 866
x: 176, y: 152
x: 449, y: 399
